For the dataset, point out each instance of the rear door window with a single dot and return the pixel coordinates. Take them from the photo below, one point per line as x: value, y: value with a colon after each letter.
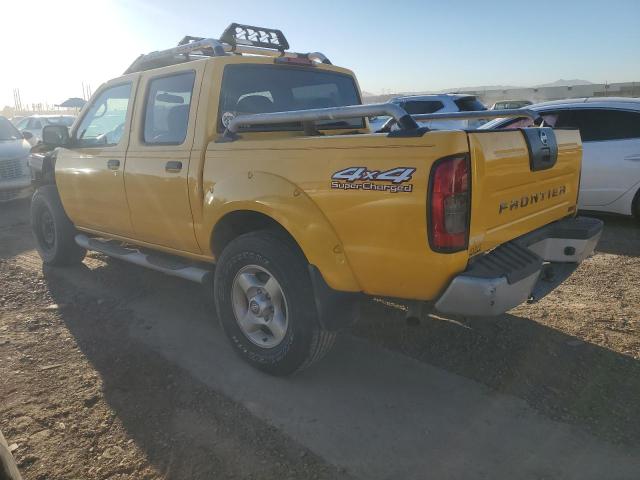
x: 417, y: 107
x: 597, y: 125
x: 269, y: 88
x: 167, y: 109
x: 469, y: 104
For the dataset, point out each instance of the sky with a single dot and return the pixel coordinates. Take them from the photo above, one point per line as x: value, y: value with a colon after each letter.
x: 51, y: 48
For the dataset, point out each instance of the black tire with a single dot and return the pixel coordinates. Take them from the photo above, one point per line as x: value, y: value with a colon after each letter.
x: 635, y: 207
x: 8, y: 467
x: 53, y: 231
x: 305, y: 341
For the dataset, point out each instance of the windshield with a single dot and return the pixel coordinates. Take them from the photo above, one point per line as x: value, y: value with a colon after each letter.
x: 268, y: 88
x: 8, y: 131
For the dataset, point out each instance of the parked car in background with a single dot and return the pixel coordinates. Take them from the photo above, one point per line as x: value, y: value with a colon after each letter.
x: 16, y: 119
x: 35, y: 123
x: 509, y: 104
x: 15, y: 177
x: 442, y: 103
x: 610, y: 130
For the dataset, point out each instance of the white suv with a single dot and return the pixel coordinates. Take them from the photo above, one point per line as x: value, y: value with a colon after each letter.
x: 610, y: 131
x: 441, y: 103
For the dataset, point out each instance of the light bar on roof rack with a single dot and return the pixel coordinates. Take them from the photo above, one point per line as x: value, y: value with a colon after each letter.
x: 238, y: 34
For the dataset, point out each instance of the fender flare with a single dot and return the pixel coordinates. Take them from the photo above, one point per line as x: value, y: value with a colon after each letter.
x: 288, y: 205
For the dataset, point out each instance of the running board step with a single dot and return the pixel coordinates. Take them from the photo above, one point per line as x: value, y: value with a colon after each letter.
x: 174, y: 266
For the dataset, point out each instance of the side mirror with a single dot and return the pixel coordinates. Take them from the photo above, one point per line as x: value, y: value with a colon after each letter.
x: 55, y: 135
x: 27, y: 135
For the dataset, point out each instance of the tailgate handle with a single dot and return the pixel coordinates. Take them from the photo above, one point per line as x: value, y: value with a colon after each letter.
x: 542, y: 146
x: 173, y: 166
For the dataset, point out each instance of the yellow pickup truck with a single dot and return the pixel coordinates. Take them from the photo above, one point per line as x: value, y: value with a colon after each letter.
x: 238, y: 162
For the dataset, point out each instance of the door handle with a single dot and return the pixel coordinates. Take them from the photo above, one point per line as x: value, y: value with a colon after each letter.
x: 113, y: 164
x: 173, y: 166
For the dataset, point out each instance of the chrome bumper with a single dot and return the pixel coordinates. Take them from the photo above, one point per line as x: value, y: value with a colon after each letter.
x: 526, y: 268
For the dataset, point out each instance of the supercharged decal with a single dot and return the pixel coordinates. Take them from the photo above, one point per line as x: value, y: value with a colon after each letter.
x: 394, y: 180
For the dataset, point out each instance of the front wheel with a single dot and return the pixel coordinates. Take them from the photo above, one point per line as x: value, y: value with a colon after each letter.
x: 53, y: 231
x: 266, y: 305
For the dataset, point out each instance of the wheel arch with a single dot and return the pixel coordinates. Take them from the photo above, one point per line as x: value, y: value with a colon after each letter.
x: 242, y: 204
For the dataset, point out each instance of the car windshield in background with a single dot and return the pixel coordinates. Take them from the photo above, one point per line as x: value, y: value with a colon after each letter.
x: 470, y: 104
x: 67, y: 121
x: 8, y: 131
x: 250, y: 89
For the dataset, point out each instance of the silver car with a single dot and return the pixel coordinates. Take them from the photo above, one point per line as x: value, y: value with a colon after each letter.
x: 436, y: 103
x: 15, y: 177
x: 35, y: 123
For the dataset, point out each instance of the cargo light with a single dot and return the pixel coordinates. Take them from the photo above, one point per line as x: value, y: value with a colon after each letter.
x: 449, y: 204
x: 295, y: 61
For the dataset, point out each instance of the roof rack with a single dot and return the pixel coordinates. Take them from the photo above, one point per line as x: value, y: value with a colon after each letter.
x: 237, y: 39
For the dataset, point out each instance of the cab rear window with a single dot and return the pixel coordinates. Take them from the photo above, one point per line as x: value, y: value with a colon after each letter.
x: 271, y: 88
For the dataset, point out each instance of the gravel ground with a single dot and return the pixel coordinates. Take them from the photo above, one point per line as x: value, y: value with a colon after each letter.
x: 126, y: 413
x: 574, y: 355
x: 81, y: 399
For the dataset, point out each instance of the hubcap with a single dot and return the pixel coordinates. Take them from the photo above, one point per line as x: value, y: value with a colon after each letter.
x: 259, y: 306
x: 47, y: 230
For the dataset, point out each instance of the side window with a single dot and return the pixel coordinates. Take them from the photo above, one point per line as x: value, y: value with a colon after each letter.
x: 104, y: 123
x: 597, y: 125
x: 167, y: 109
x: 469, y: 104
x: 550, y: 120
x: 22, y: 124
x: 416, y: 107
x: 35, y: 124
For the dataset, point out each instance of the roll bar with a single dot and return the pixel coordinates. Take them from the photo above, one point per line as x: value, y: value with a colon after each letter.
x: 398, y: 114
x: 513, y: 112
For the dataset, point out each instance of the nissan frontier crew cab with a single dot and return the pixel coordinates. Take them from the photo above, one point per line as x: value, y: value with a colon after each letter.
x: 238, y: 163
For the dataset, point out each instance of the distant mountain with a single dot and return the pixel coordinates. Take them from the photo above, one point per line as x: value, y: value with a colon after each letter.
x: 565, y: 83
x: 558, y: 83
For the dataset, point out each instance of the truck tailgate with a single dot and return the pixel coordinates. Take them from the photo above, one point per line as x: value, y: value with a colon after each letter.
x: 511, y: 198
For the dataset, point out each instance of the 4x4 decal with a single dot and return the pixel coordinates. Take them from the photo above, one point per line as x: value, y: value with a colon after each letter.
x: 361, y: 178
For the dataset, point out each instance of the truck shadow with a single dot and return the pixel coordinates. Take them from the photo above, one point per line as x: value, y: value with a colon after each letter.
x: 558, y: 375
x: 185, y: 429
x: 621, y: 235
x: 15, y: 228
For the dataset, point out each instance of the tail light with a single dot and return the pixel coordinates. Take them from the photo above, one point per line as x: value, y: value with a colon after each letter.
x: 449, y: 204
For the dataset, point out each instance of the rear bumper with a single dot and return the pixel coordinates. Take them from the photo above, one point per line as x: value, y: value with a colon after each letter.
x: 526, y: 268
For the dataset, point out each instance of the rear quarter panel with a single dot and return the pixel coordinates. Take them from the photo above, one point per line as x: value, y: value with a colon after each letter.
x: 382, y: 235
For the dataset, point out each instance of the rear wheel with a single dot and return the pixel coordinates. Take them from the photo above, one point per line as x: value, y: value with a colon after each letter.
x: 53, y: 231
x: 266, y: 305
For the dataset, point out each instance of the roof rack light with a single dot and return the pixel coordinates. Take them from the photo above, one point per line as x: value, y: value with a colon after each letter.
x: 239, y: 34
x: 237, y: 39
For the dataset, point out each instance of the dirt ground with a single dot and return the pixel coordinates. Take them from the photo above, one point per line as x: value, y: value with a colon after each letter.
x: 144, y: 419
x: 80, y: 398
